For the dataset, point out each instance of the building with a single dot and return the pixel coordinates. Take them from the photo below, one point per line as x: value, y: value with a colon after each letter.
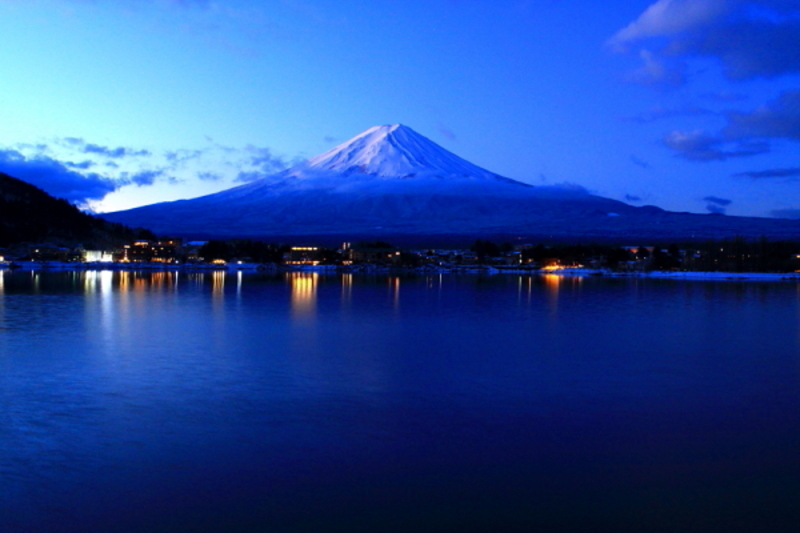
x: 303, y: 255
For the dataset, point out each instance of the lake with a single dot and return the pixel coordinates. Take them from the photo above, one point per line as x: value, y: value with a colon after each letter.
x: 155, y: 402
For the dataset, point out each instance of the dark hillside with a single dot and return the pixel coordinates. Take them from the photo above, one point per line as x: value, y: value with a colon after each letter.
x: 30, y: 215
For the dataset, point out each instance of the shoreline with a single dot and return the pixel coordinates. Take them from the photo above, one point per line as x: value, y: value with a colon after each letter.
x: 27, y: 266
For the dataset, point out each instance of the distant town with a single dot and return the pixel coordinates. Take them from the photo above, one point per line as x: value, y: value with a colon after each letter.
x: 731, y: 255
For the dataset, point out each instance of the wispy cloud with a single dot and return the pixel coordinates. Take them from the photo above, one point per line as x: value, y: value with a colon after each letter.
x: 770, y: 173
x: 444, y: 130
x: 639, y: 162
x: 716, y: 205
x: 209, y: 176
x: 58, y: 168
x: 657, y: 71
x: 717, y: 200
x: 699, y: 145
x: 247, y: 177
x: 140, y: 179
x: 83, y: 165
x: 104, y: 151
x: 669, y: 17
x: 263, y: 159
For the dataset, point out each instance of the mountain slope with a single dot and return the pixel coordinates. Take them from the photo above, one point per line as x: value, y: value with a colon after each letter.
x: 28, y: 214
x: 390, y: 180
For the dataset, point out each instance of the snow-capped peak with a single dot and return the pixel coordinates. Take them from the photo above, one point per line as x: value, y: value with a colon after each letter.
x: 394, y: 151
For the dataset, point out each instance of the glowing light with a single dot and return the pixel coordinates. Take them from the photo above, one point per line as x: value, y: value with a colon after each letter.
x: 218, y: 283
x: 304, y: 292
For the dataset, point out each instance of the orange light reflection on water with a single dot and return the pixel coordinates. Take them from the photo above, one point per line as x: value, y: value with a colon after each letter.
x: 304, y: 292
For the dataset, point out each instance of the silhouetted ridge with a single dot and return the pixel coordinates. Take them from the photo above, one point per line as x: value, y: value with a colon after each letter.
x: 28, y: 214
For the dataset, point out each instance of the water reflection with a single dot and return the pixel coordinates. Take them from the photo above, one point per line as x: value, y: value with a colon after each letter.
x: 218, y: 283
x: 524, y: 286
x: 456, y: 383
x: 394, y: 287
x: 304, y: 293
x: 347, y: 287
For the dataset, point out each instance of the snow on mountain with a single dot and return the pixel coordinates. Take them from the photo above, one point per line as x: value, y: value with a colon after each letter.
x: 395, y: 151
x: 391, y: 159
x: 390, y: 180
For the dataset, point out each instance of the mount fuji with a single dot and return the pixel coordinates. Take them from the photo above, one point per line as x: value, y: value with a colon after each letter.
x: 391, y: 182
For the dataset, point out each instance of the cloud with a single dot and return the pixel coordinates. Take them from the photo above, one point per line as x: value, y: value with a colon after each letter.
x: 141, y: 178
x: 209, y: 176
x: 264, y: 160
x: 65, y: 167
x: 103, y: 151
x: 83, y: 165
x: 699, y: 145
x: 779, y: 118
x: 247, y: 177
x: 717, y: 200
x: 113, y: 152
x: 786, y: 213
x: 632, y: 198
x: 56, y: 178
x: 669, y: 17
x: 639, y: 163
x: 178, y: 157
x: 750, y: 39
x: 716, y: 205
x: 444, y: 130
x: 747, y: 49
x: 656, y: 72
x: 771, y: 173
x: 745, y: 133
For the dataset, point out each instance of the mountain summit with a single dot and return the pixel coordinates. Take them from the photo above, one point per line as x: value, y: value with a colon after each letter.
x: 391, y: 182
x: 394, y: 151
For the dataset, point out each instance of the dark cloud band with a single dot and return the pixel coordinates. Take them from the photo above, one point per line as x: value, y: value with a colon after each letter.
x: 56, y: 178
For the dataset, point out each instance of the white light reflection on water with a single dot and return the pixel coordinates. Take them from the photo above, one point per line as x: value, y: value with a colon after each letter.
x: 347, y: 288
x: 524, y: 286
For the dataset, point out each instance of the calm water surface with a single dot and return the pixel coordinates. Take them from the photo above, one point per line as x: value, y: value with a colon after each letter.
x: 297, y: 402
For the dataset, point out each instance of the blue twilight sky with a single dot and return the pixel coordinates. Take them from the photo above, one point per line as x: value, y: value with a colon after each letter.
x: 691, y: 105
